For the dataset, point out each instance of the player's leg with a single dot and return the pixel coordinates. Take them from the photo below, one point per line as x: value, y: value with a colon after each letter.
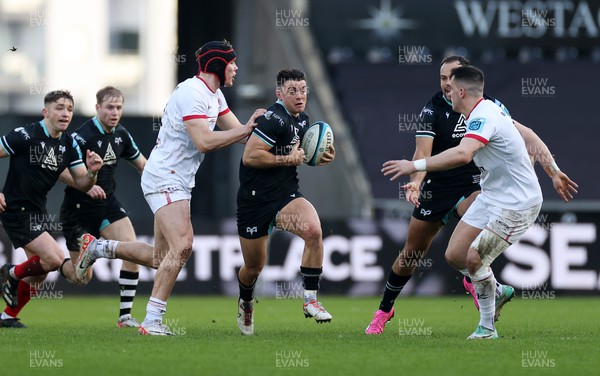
x: 254, y: 252
x: 67, y: 269
x: 300, y: 217
x: 25, y: 291
x: 46, y: 256
x: 174, y: 223
x: 504, y: 293
x: 122, y: 230
x: 504, y: 227
x: 419, y: 238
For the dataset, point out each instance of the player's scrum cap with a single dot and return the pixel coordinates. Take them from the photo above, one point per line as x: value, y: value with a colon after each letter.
x: 214, y: 56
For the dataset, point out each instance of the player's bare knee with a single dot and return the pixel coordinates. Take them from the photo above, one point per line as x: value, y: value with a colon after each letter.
x: 52, y: 262
x: 252, y: 272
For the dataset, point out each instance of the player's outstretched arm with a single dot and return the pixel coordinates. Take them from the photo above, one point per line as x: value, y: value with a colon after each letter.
x: 563, y: 185
x: 230, y: 121
x: 451, y: 158
x: 206, y: 140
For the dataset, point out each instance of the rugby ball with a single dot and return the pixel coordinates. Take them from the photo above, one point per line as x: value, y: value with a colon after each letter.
x: 316, y: 141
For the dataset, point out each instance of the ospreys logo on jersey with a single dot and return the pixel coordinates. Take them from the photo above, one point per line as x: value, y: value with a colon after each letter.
x: 109, y: 157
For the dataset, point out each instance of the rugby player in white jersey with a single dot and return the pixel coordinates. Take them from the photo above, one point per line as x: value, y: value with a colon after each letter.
x: 195, y: 107
x: 510, y: 198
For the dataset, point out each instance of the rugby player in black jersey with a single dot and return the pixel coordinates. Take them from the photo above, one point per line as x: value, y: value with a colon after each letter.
x: 444, y: 194
x: 98, y: 211
x: 268, y: 197
x: 38, y: 155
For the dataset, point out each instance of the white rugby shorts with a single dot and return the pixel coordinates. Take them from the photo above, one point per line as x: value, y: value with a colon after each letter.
x: 159, y: 192
x: 509, y: 224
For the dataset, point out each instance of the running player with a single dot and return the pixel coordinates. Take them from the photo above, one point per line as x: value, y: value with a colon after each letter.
x: 195, y: 107
x: 510, y: 198
x: 448, y: 193
x: 38, y: 155
x: 268, y: 197
x: 98, y: 211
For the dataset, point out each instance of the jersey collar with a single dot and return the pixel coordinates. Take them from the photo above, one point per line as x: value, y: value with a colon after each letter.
x: 476, y: 104
x: 446, y: 99
x: 43, y: 124
x: 286, y: 110
x: 99, y: 126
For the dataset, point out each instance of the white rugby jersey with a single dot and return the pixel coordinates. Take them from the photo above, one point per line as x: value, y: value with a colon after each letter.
x: 508, y: 179
x: 175, y: 158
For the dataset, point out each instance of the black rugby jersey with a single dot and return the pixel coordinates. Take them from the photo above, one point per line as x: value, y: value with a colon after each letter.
x: 110, y: 147
x: 36, y: 161
x: 281, y: 131
x: 447, y: 128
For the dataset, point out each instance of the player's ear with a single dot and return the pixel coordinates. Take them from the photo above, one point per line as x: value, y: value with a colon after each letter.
x: 278, y: 93
x: 45, y: 112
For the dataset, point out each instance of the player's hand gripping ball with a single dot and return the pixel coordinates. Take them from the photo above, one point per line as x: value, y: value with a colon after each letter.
x: 316, y: 141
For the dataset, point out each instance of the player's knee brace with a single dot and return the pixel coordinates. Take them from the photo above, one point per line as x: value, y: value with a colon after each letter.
x: 489, y: 246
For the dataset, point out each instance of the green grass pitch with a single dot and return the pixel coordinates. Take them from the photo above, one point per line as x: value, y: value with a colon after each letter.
x: 77, y: 336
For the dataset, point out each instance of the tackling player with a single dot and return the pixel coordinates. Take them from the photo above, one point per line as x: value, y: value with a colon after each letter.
x: 38, y: 155
x: 448, y: 193
x: 510, y: 198
x: 196, y: 106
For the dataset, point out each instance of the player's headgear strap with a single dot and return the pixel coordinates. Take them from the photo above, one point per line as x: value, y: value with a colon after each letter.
x: 213, y: 57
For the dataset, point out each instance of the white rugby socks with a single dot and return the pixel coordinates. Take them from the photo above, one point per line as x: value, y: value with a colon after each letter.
x: 485, y: 288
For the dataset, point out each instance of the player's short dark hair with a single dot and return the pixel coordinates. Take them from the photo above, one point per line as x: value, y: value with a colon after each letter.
x: 107, y: 93
x: 471, y: 76
x: 463, y: 61
x: 289, y: 74
x: 55, y: 95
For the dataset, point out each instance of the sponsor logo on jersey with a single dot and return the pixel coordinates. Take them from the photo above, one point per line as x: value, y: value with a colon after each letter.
x: 447, y: 114
x: 426, y: 110
x: 109, y: 157
x: 460, y: 127
x: 251, y: 230
x: 99, y: 143
x: 49, y: 161
x: 62, y: 149
x: 476, y: 124
x: 268, y: 115
x: 118, y: 140
x: 80, y: 139
x: 23, y: 132
x: 278, y: 118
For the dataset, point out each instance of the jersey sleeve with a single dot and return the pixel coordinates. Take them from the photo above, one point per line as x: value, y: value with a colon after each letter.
x: 16, y: 141
x: 191, y: 106
x: 426, y: 121
x: 131, y: 150
x: 74, y: 155
x: 267, y: 129
x: 480, y: 129
x: 223, y: 107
